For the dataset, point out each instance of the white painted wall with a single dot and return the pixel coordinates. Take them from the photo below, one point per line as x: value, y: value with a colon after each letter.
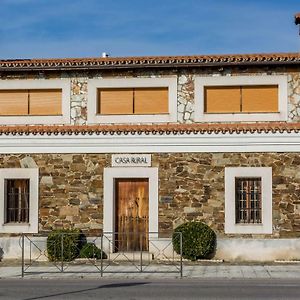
x: 234, y: 250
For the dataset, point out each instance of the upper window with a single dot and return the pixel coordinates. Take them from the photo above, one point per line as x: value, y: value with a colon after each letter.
x: 41, y: 101
x: 30, y: 102
x: 18, y: 200
x: 248, y: 200
x: 129, y: 100
x: 241, y: 98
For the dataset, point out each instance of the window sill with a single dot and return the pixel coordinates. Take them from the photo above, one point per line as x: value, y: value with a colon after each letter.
x: 244, y: 117
x: 154, y: 118
x: 16, y: 224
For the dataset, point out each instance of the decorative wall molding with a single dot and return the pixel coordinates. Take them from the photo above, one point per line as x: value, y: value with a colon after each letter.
x: 143, y: 143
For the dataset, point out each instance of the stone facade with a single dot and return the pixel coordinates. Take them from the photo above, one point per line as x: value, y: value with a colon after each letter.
x: 294, y: 97
x: 71, y: 189
x: 185, y: 99
x: 78, y: 101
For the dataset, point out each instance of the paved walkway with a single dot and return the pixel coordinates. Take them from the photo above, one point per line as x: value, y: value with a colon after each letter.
x: 152, y: 271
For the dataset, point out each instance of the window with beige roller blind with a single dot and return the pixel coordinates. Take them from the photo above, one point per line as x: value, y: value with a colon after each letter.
x: 260, y: 98
x: 13, y: 103
x: 151, y: 101
x: 128, y: 101
x: 115, y: 101
x: 41, y: 102
x: 45, y: 102
x: 241, y: 99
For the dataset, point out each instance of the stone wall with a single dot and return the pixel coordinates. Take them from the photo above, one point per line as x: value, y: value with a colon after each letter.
x: 71, y: 188
x: 196, y: 182
x: 294, y: 97
x: 78, y: 101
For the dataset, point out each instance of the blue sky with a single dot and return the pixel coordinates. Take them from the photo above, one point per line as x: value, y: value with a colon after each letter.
x: 86, y: 28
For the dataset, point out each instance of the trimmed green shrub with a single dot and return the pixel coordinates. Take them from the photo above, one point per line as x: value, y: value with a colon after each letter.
x: 90, y: 250
x: 72, y: 240
x: 198, y: 240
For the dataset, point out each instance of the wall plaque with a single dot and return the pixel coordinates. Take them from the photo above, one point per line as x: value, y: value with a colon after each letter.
x: 166, y: 199
x: 131, y: 160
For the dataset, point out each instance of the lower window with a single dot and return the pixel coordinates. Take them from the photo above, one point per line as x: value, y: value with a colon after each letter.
x: 248, y: 200
x: 18, y: 200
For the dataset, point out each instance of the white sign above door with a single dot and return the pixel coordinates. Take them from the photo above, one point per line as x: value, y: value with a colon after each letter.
x: 131, y: 160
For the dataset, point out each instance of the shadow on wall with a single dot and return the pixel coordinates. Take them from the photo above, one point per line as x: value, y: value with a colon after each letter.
x: 1, y: 254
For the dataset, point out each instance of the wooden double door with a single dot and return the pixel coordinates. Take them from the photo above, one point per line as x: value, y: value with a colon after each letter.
x: 132, y: 214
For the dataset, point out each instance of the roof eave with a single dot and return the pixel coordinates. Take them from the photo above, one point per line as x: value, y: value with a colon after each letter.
x: 151, y: 66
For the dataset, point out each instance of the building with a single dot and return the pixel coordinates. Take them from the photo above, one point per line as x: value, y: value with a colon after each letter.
x: 93, y: 143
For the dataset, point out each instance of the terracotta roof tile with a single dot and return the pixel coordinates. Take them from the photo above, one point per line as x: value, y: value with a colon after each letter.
x: 148, y: 61
x: 179, y: 129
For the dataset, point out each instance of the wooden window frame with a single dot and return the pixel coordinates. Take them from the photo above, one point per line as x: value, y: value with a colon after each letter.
x: 263, y: 80
x: 168, y: 82
x: 38, y: 84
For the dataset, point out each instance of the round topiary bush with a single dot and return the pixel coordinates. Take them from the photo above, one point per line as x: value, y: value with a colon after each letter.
x: 72, y: 241
x: 90, y: 250
x: 198, y: 240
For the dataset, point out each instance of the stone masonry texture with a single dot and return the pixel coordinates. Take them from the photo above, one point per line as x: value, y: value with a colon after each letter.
x: 71, y: 189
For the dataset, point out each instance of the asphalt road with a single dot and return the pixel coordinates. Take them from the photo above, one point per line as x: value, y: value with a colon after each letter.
x: 30, y: 289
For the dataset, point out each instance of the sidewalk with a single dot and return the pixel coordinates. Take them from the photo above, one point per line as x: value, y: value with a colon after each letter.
x: 220, y: 270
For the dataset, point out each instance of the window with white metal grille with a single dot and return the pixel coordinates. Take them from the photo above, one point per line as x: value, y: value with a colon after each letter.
x: 248, y: 200
x: 17, y: 200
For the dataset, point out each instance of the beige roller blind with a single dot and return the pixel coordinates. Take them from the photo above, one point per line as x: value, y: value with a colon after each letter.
x: 222, y: 99
x: 260, y: 98
x: 151, y: 100
x: 45, y: 102
x: 13, y: 102
x: 115, y: 101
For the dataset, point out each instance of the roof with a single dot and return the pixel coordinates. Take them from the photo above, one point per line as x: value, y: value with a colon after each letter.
x: 148, y: 61
x: 297, y: 18
x: 177, y: 129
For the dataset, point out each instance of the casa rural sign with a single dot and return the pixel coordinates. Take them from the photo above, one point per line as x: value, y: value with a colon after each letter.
x: 131, y: 160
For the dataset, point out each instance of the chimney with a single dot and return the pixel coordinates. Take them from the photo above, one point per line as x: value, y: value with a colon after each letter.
x: 297, y: 18
x: 104, y: 54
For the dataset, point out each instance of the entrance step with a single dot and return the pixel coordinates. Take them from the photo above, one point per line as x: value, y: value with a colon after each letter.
x: 130, y: 256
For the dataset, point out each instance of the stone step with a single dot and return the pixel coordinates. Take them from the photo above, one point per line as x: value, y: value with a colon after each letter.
x: 130, y: 256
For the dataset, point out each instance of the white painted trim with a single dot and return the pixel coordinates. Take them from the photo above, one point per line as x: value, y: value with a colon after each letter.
x: 110, y: 174
x: 250, y: 142
x: 18, y: 84
x: 94, y: 84
x: 33, y: 176
x: 202, y: 82
x: 266, y: 176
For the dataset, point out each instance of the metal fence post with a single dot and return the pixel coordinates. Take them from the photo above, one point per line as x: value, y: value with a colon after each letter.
x: 23, y: 255
x: 62, y: 252
x: 141, y: 251
x: 101, y: 255
x: 181, y: 266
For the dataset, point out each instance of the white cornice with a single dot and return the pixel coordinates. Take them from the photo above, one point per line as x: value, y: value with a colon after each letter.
x: 250, y: 142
